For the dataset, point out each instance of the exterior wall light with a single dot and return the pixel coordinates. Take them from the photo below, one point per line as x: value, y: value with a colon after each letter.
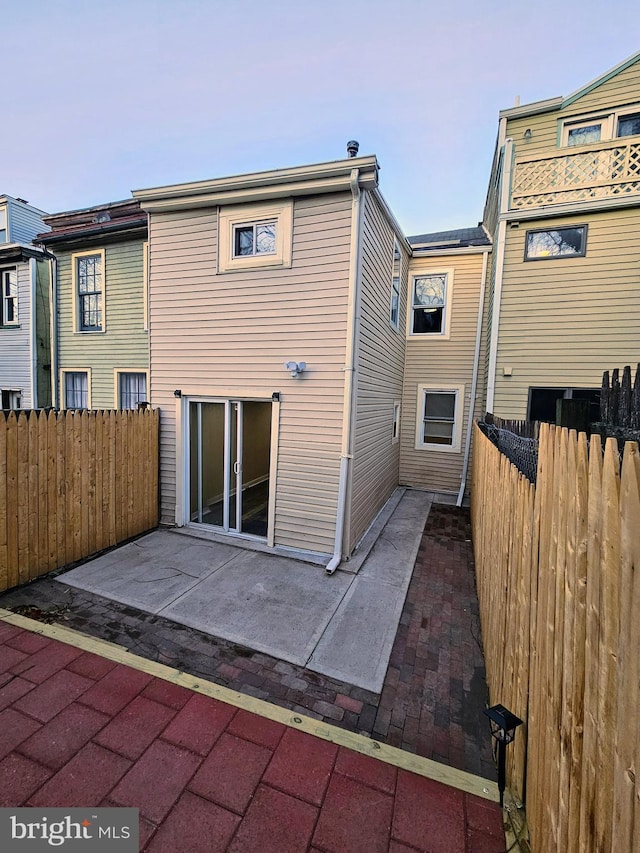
x: 527, y: 134
x: 295, y: 367
x: 503, y: 729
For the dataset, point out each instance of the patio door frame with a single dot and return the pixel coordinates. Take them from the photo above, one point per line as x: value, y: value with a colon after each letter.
x: 183, y: 510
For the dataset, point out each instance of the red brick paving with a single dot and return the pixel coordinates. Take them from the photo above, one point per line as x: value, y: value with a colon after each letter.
x: 205, y: 775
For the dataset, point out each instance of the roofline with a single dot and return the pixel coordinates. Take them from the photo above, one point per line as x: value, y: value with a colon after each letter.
x: 133, y: 228
x: 460, y: 250
x: 105, y: 206
x: 602, y: 78
x: 28, y: 249
x: 391, y: 219
x: 4, y: 198
x: 534, y: 108
x: 298, y: 180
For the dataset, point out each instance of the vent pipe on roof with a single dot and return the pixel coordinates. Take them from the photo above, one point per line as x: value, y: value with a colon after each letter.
x: 352, y: 148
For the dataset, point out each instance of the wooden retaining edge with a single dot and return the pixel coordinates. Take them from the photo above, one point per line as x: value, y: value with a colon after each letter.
x: 462, y: 781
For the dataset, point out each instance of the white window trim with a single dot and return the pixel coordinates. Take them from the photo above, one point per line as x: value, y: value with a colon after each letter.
x: 395, y: 427
x: 396, y: 248
x: 76, y: 301
x: 445, y: 334
x: 458, y: 416
x: 249, y: 214
x: 116, y: 382
x: 608, y: 120
x: 63, y: 390
x: 3, y: 298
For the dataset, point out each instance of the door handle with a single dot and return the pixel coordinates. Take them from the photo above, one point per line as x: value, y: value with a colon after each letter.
x: 236, y: 467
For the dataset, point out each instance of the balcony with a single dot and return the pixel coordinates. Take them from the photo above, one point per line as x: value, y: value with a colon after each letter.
x: 607, y: 170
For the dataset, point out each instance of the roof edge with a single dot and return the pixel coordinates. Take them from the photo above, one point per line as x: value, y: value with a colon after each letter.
x: 602, y: 78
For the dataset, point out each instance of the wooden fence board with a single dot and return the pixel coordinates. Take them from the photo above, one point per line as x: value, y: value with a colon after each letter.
x: 564, y: 570
x: 71, y: 483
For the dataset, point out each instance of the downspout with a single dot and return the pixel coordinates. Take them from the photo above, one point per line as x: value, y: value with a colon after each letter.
x: 505, y: 192
x: 33, y: 336
x: 474, y: 379
x: 53, y: 328
x: 349, y: 369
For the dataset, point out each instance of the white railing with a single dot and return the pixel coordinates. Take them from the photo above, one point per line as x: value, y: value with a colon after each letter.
x: 608, y: 170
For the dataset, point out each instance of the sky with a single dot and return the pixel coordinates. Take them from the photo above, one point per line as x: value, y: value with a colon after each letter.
x: 99, y: 99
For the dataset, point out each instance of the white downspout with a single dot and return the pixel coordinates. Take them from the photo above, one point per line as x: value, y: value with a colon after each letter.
x: 505, y: 192
x: 33, y: 342
x: 53, y: 328
x: 474, y: 379
x: 349, y: 370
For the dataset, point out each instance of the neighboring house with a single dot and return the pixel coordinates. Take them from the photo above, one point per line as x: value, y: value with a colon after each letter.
x: 249, y: 277
x: 564, y: 211
x: 101, y: 356
x: 444, y: 363
x: 25, y: 342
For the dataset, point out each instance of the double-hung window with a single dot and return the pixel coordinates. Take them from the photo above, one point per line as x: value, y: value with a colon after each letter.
x: 9, y: 304
x: 431, y: 303
x: 88, y: 279
x: 439, y: 418
x: 132, y: 389
x: 76, y: 389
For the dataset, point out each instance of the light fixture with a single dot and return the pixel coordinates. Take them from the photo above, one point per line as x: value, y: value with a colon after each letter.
x: 527, y: 134
x: 295, y: 367
x: 503, y: 729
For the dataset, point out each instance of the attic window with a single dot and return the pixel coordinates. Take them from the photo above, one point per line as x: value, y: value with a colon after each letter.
x: 255, y: 236
x: 259, y: 238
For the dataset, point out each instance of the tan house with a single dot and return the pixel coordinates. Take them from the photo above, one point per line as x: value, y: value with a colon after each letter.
x: 563, y: 209
x: 277, y: 320
x: 444, y: 360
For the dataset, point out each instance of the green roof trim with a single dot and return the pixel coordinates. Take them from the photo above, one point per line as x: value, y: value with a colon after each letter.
x: 603, y: 78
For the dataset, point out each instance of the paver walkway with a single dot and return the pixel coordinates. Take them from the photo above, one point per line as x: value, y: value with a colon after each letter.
x: 80, y: 729
x: 434, y: 691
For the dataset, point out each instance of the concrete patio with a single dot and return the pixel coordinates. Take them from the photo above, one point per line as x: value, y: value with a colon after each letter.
x: 342, y: 626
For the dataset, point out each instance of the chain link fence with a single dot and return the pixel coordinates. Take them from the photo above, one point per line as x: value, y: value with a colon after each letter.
x: 521, y: 450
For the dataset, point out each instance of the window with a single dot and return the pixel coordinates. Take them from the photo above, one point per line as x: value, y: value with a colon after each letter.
x: 88, y: 275
x: 9, y: 304
x: 395, y: 285
x: 439, y: 418
x: 76, y: 389
x: 589, y: 130
x: 131, y: 389
x: 395, y: 432
x: 430, y: 301
x: 556, y: 243
x: 256, y: 239
x: 3, y: 225
x: 10, y: 399
x: 629, y: 125
x: 255, y: 235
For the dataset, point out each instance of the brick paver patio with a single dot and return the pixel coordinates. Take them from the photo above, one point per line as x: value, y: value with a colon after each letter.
x: 434, y: 690
x: 77, y: 729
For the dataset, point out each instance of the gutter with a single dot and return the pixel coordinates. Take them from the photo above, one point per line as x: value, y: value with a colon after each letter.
x: 474, y: 380
x: 33, y: 336
x: 53, y: 321
x: 353, y: 330
x: 505, y: 191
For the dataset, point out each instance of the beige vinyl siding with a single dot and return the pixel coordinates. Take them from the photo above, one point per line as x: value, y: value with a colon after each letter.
x: 564, y: 321
x: 15, y: 342
x: 125, y: 343
x: 442, y: 364
x: 227, y: 335
x: 619, y: 91
x: 379, y: 373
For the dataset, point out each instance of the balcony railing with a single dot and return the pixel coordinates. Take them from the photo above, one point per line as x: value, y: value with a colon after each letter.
x: 609, y: 170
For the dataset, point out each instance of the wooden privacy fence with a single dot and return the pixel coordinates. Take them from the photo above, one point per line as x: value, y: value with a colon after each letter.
x: 558, y: 576
x: 71, y: 484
